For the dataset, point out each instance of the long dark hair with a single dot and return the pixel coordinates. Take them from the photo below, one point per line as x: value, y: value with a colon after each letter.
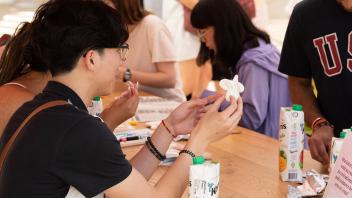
x: 132, y: 11
x: 234, y: 31
x: 19, y: 56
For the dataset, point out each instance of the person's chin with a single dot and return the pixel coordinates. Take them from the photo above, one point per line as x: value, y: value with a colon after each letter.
x: 348, y: 9
x: 109, y: 89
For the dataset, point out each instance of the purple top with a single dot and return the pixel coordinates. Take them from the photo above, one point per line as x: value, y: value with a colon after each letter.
x: 266, y: 89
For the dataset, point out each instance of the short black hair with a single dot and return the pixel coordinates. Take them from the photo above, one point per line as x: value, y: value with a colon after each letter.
x: 63, y: 30
x: 234, y: 31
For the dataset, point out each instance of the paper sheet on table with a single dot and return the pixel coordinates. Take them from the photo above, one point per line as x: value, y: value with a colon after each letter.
x: 153, y: 108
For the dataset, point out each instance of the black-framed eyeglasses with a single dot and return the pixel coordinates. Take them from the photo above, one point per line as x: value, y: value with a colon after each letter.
x: 121, y: 49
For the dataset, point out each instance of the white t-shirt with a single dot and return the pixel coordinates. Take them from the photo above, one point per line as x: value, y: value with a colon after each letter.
x: 151, y: 42
x: 187, y: 44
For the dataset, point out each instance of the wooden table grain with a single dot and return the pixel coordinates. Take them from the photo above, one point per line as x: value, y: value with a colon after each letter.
x: 249, y: 165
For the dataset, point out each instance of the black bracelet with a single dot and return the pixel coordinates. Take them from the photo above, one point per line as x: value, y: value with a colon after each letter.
x: 154, y: 150
x: 187, y: 152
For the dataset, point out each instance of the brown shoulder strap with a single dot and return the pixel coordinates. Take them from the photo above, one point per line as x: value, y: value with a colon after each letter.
x: 8, y: 145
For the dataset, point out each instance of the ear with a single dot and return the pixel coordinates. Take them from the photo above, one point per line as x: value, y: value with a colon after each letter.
x: 88, y: 60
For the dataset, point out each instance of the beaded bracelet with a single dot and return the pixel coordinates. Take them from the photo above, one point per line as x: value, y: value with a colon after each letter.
x: 195, y: 159
x: 154, y: 150
x: 187, y: 152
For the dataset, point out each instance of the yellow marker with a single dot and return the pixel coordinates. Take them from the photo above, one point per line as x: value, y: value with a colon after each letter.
x: 133, y: 123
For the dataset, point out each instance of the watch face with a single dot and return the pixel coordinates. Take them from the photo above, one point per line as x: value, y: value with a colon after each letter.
x: 127, y: 75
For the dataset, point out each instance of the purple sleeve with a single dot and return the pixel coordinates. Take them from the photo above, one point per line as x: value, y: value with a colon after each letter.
x: 207, y: 93
x: 255, y: 96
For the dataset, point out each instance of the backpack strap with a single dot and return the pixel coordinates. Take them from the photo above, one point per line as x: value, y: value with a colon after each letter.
x: 8, y: 145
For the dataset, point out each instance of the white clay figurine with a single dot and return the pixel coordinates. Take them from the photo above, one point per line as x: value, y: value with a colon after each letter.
x: 232, y: 87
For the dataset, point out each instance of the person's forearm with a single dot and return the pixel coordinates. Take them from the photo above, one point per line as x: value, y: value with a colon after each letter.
x: 189, y: 3
x: 144, y: 161
x: 178, y: 174
x: 157, y: 79
x: 111, y: 121
x: 301, y: 92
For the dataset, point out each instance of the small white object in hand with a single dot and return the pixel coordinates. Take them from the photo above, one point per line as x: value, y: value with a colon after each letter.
x: 232, y: 87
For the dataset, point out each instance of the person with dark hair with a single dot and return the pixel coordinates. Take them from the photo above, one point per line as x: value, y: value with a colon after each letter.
x: 152, y: 55
x: 23, y: 75
x: 4, y: 39
x: 61, y: 149
x: 235, y: 46
x: 318, y: 46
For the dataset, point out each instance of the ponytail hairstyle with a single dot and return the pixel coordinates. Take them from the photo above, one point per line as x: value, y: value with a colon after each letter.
x: 18, y: 56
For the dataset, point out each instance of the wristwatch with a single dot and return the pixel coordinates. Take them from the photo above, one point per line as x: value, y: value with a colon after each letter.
x: 127, y: 75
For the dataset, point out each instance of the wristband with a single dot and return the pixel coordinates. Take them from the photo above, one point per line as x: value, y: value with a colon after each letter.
x: 168, y: 130
x: 154, y: 150
x: 320, y: 122
x: 195, y: 159
x: 315, y: 121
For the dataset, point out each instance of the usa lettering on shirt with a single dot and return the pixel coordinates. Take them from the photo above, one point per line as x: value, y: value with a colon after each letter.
x: 331, y: 40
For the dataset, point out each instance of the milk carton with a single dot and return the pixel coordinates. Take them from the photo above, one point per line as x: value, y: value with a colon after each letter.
x: 97, y: 106
x: 336, y: 145
x: 291, y: 136
x: 204, y: 180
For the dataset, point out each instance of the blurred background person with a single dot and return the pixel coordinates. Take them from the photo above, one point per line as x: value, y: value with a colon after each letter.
x: 235, y: 46
x: 323, y: 54
x: 152, y: 56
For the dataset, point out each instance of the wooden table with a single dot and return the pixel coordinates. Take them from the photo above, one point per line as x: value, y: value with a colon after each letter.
x: 249, y: 164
